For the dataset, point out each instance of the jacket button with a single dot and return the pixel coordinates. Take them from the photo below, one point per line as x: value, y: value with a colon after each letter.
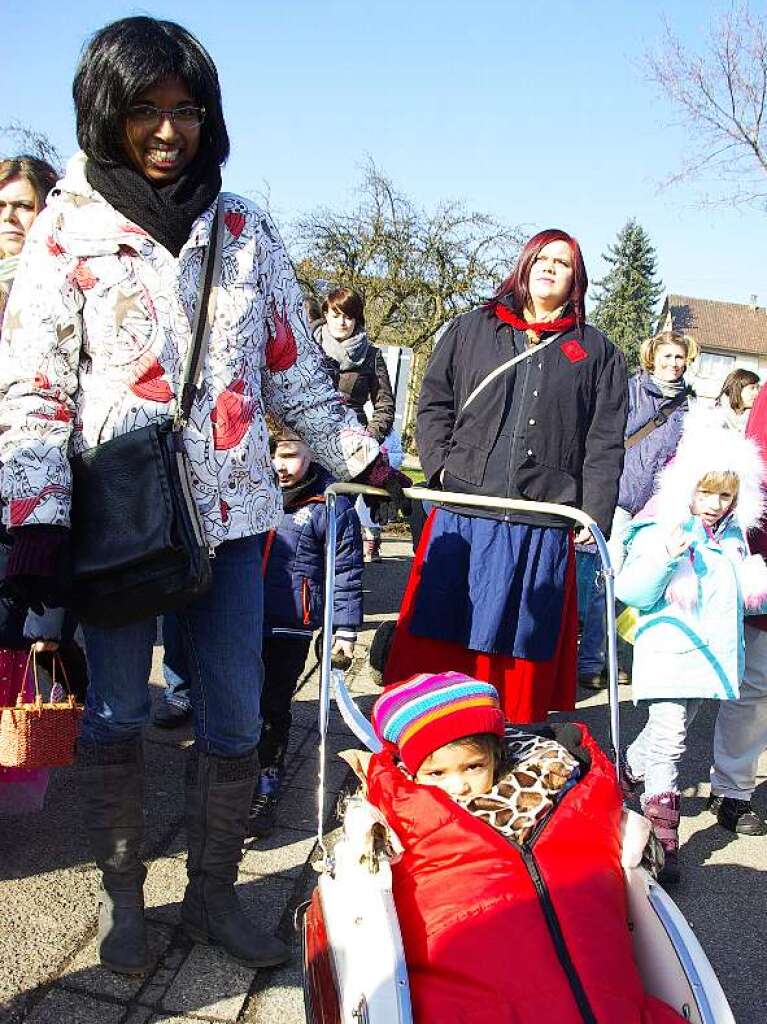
x: 531, y: 422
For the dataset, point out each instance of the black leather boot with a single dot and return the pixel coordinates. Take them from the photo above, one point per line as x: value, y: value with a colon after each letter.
x: 219, y: 791
x: 111, y: 782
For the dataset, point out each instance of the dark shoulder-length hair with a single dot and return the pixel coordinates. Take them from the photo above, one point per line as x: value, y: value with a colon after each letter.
x: 515, y: 287
x: 732, y: 388
x: 125, y: 58
x: 39, y: 173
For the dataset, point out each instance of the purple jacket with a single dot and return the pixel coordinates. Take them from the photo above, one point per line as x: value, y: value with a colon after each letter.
x: 643, y: 462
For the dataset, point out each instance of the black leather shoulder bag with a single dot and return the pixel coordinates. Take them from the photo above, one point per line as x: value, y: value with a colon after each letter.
x: 139, y: 549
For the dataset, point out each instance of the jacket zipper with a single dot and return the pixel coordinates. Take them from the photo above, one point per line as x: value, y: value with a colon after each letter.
x: 555, y: 930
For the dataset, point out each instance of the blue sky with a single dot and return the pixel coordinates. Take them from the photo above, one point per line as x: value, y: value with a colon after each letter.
x: 537, y: 113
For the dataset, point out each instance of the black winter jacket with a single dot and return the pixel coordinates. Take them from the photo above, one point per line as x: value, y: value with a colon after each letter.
x: 549, y: 429
x: 370, y: 381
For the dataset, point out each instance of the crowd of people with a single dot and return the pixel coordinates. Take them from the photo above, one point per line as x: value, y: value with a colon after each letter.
x: 522, y: 399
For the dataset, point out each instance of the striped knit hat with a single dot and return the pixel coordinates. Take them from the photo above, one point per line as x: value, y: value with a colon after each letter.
x: 427, y: 712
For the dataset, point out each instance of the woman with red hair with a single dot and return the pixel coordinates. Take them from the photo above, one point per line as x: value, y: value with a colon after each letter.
x: 521, y: 399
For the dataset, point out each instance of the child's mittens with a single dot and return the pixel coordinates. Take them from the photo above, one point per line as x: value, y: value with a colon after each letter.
x: 752, y: 574
x: 682, y: 589
x: 677, y: 543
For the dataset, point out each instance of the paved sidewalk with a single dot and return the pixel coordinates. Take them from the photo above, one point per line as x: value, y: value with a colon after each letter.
x: 48, y: 966
x: 48, y: 970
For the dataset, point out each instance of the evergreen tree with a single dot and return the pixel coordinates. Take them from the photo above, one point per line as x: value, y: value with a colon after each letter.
x: 626, y: 297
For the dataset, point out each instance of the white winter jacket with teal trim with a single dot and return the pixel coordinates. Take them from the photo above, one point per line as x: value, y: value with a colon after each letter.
x: 689, y: 636
x: 94, y: 339
x: 683, y: 651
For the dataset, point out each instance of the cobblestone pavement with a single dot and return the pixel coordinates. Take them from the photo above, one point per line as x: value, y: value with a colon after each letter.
x: 48, y: 969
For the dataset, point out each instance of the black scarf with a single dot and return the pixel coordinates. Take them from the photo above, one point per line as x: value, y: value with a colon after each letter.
x: 166, y: 212
x: 296, y: 495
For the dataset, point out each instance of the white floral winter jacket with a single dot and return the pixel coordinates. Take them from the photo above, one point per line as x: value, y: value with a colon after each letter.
x: 94, y: 340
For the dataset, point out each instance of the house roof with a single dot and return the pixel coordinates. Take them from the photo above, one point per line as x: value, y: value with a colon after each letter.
x: 730, y: 326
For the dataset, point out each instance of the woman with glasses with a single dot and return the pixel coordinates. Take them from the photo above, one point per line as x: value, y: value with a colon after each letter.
x: 95, y: 336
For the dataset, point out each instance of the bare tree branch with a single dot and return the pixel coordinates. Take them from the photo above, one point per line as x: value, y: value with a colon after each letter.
x: 415, y: 268
x: 720, y: 95
x: 29, y: 142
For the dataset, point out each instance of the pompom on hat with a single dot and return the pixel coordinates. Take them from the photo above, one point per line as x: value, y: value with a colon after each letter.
x: 428, y: 711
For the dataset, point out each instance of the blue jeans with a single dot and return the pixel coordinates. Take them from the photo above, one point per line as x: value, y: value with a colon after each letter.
x: 221, y: 637
x: 591, y: 607
x: 174, y: 664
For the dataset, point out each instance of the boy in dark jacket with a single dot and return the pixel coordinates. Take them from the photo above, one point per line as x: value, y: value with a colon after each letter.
x: 294, y: 581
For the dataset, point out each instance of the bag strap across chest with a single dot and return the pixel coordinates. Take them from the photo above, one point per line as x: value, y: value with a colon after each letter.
x: 205, y: 311
x: 660, y: 417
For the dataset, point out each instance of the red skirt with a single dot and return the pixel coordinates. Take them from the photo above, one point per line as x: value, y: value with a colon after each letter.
x: 528, y: 689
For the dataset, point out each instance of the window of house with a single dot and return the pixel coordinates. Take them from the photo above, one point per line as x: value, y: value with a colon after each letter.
x: 712, y: 364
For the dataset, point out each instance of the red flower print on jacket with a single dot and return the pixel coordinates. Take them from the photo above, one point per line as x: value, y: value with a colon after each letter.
x: 83, y: 276
x: 53, y: 246
x: 232, y: 416
x: 60, y: 414
x: 235, y: 222
x: 149, y: 382
x: 281, y: 350
x: 20, y: 509
x: 574, y: 351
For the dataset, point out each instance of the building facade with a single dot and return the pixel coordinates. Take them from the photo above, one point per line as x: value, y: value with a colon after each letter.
x: 729, y: 335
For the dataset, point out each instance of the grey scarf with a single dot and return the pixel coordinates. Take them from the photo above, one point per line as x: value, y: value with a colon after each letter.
x: 349, y: 354
x: 669, y: 388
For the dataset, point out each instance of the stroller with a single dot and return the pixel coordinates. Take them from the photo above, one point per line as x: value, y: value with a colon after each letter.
x: 353, y: 957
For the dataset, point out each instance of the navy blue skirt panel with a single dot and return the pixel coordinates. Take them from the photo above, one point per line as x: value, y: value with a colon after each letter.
x: 492, y: 586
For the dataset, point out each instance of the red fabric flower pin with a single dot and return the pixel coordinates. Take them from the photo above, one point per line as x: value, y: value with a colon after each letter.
x: 574, y: 351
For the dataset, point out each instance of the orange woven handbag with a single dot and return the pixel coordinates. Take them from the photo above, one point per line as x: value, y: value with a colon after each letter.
x: 39, y: 734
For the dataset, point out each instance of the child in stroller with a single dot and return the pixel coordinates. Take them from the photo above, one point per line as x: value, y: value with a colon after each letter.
x: 509, y: 888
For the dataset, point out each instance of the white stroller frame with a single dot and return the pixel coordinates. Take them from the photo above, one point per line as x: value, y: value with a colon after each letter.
x: 363, y: 941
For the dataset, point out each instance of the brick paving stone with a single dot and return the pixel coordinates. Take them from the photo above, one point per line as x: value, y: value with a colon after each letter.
x: 284, y: 852
x: 281, y: 999
x: 85, y: 974
x: 298, y: 808
x: 152, y: 995
x: 62, y: 1007
x: 209, y: 985
x: 138, y: 1015
x: 306, y: 775
x: 164, y: 888
x: 174, y: 1020
x: 265, y: 898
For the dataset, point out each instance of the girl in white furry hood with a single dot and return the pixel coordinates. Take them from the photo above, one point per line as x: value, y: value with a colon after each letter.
x: 690, y: 576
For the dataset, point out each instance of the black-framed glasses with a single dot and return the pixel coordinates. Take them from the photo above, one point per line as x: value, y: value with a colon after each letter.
x: 186, y: 115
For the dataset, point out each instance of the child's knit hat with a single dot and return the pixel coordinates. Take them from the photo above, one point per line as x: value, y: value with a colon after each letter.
x: 429, y: 711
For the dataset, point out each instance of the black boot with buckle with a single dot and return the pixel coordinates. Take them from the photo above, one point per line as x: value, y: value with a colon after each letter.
x: 110, y: 778
x: 219, y: 791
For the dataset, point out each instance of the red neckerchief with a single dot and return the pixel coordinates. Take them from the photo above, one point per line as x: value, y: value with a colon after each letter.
x: 563, y: 324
